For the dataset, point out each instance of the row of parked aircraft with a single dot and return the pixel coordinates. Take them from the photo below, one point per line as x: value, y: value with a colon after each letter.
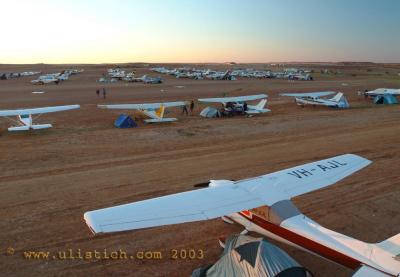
x: 199, y: 74
x: 156, y: 111
x: 116, y: 74
x: 11, y: 75
x: 56, y: 77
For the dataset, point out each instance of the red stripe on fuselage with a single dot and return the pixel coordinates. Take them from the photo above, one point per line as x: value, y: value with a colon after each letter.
x: 304, y: 242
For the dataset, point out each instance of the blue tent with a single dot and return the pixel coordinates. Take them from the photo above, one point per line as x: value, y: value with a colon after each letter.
x: 124, y: 121
x: 388, y: 99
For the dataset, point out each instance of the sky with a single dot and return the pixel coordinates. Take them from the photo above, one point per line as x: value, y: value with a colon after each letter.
x: 118, y: 31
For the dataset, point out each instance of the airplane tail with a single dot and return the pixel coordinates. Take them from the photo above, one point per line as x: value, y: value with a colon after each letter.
x: 391, y: 245
x: 340, y: 100
x: 337, y: 97
x: 160, y: 111
x: 261, y: 105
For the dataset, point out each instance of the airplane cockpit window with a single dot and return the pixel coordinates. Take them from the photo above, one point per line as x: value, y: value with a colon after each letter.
x: 24, y: 115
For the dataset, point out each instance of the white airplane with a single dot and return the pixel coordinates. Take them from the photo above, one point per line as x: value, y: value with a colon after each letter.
x: 153, y: 110
x: 117, y: 74
x: 263, y: 204
x: 237, y: 103
x: 147, y: 80
x: 314, y: 98
x: 25, y: 119
x: 381, y: 91
x: 220, y: 76
x: 45, y: 79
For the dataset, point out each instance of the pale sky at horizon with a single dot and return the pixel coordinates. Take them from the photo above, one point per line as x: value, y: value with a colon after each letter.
x: 118, y: 31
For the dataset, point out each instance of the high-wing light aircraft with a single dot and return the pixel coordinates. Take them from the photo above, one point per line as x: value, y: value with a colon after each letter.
x: 381, y: 91
x: 146, y: 79
x: 314, y: 98
x: 263, y: 204
x: 220, y: 76
x: 238, y: 103
x: 25, y: 119
x: 45, y: 79
x: 153, y: 110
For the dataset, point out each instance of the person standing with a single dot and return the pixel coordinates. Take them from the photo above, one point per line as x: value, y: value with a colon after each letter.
x: 104, y: 93
x: 184, y: 109
x: 191, y: 107
x: 98, y: 92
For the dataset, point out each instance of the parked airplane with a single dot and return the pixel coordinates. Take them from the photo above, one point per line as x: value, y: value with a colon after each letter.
x: 263, y: 205
x: 238, y: 103
x: 381, y: 91
x: 221, y: 76
x: 153, y: 110
x: 45, y: 79
x: 25, y: 119
x: 314, y: 98
x: 147, y: 80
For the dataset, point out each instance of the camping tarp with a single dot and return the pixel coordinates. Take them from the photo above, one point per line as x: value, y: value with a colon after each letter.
x: 210, y: 112
x: 387, y: 99
x: 124, y: 121
x: 246, y: 256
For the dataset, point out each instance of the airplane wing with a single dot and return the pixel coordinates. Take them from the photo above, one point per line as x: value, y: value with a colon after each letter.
x: 383, y: 91
x: 38, y: 110
x: 213, y: 202
x: 233, y: 99
x: 144, y: 106
x: 366, y: 271
x: 309, y: 94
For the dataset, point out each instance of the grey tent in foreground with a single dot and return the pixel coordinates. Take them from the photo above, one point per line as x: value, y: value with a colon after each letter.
x: 387, y: 99
x: 245, y: 256
x: 210, y: 112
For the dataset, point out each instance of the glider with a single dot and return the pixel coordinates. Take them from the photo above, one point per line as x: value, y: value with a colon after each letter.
x: 153, y: 110
x: 263, y: 204
x: 25, y: 119
x: 238, y: 103
x: 314, y: 98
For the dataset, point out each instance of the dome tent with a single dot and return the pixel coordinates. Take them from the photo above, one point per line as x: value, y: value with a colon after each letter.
x: 246, y: 256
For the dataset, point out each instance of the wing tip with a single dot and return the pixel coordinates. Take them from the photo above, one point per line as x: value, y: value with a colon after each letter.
x: 90, y: 222
x: 358, y: 157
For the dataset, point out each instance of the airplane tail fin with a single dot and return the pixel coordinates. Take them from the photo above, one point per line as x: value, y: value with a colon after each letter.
x: 337, y: 97
x: 261, y: 105
x: 160, y: 111
x: 391, y: 245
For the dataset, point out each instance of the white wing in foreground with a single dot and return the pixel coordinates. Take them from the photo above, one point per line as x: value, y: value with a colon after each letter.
x: 213, y: 202
x: 234, y: 99
x: 366, y: 271
x: 38, y: 110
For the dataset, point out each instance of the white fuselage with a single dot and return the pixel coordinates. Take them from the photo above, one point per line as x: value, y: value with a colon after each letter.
x: 325, y: 243
x: 315, y: 101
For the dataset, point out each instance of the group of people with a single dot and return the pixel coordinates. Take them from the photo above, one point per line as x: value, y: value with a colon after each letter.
x: 104, y: 93
x: 185, y: 110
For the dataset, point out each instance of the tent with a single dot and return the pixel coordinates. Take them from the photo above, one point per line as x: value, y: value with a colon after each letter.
x: 210, y: 112
x: 124, y: 121
x: 387, y: 99
x: 246, y: 256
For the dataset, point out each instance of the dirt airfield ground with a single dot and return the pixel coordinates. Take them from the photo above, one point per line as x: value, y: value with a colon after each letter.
x: 49, y: 178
